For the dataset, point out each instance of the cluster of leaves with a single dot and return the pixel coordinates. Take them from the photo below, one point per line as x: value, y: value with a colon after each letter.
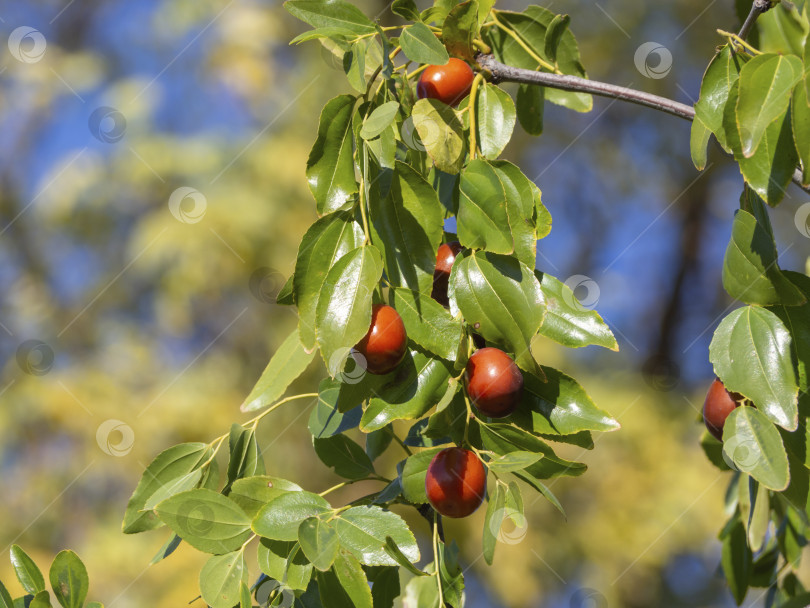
x: 68, y: 578
x: 756, y: 105
x: 387, y: 171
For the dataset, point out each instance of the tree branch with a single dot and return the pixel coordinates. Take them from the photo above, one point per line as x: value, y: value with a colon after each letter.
x: 757, y: 8
x: 507, y: 73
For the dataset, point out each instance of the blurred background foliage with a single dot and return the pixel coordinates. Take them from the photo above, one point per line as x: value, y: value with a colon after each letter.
x: 163, y: 326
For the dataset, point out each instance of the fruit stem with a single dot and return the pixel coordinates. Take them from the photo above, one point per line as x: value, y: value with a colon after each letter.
x: 467, y: 421
x: 436, y: 557
x: 363, y: 196
x: 343, y: 484
x: 510, y: 32
x: 482, y: 46
x: 402, y: 443
x: 471, y: 107
x: 416, y: 71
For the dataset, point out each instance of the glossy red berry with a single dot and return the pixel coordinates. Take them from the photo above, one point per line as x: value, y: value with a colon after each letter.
x: 494, y: 382
x: 718, y: 405
x: 455, y: 482
x: 449, y: 83
x: 441, y: 275
x: 385, y: 343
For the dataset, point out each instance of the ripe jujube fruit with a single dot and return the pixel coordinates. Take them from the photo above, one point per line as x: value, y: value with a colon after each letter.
x: 718, y: 405
x: 455, y: 482
x: 449, y: 83
x: 494, y: 382
x: 441, y: 275
x: 385, y: 343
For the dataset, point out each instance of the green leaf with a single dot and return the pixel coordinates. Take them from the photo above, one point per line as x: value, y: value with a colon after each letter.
x: 284, y: 562
x: 501, y: 298
x: 736, y: 560
x: 797, y: 320
x: 460, y: 28
x: 319, y: 542
x: 245, y: 600
x: 331, y: 13
x: 407, y: 225
x: 245, y: 456
x: 770, y: 170
x: 326, y: 241
x: 167, y: 549
x: 353, y: 580
x: 783, y: 30
x: 27, y: 572
x: 252, y: 493
x: 758, y: 521
x: 5, y: 597
x: 568, y: 322
x: 363, y: 531
x: 413, y: 475
x: 698, y: 142
x: 285, y: 296
x: 720, y: 76
x: 400, y: 558
x: 343, y: 455
x: 384, y: 587
x: 280, y: 518
x: 800, y: 119
x: 166, y: 469
x: 504, y: 439
x: 221, y: 579
x: 418, y: 383
x: 441, y: 133
x: 492, y: 523
x: 378, y: 441
x: 529, y: 106
x: 206, y: 520
x: 323, y: 32
x: 343, y: 314
x: 450, y: 573
x: 558, y: 406
x: 427, y: 322
x: 531, y: 26
x: 713, y: 450
x: 751, y: 354
x: 514, y: 461
x: 496, y: 115
x: 330, y: 167
x: 522, y: 198
x: 766, y: 84
x: 379, y: 120
x: 69, y: 580
x: 420, y: 45
x: 421, y: 591
x: 750, y: 269
x: 554, y: 33
x: 41, y: 600
x: 287, y: 363
x: 354, y: 65
x: 406, y: 9
x: 753, y: 444
x: 483, y: 220
x: 326, y: 420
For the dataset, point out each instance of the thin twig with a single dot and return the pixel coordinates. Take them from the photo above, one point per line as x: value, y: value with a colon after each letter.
x: 757, y: 8
x: 506, y: 73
